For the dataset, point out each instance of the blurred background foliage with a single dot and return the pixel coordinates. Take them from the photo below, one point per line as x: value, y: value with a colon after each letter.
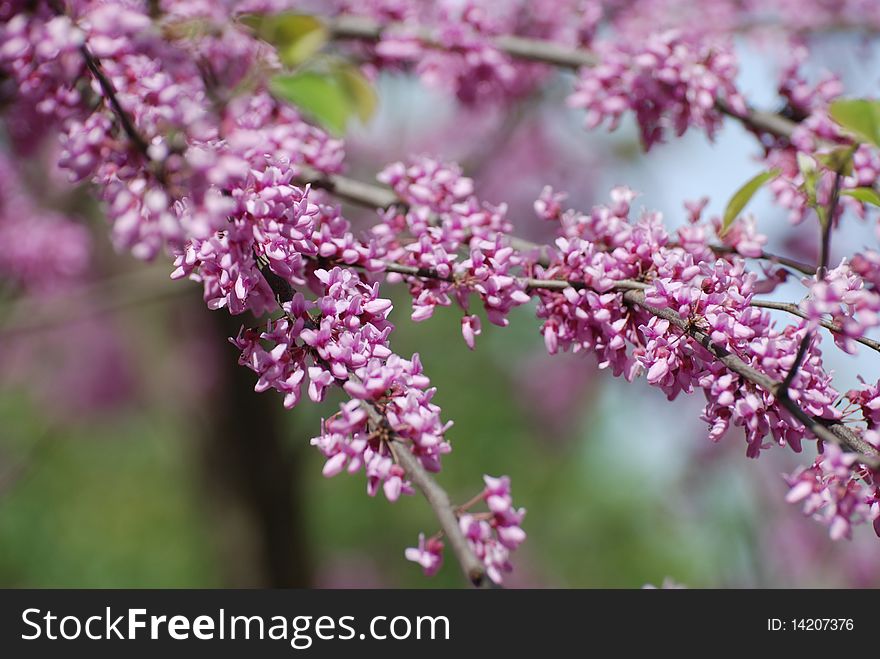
x: 134, y: 453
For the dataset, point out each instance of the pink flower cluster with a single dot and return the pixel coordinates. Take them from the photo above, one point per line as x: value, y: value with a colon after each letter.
x: 442, y: 220
x: 211, y: 177
x: 842, y: 297
x: 461, y: 57
x: 799, y: 157
x: 171, y: 187
x: 600, y: 251
x: 669, y: 82
x: 713, y: 296
x: 867, y: 401
x: 40, y: 53
x: 837, y: 492
x: 492, y: 535
x: 192, y: 155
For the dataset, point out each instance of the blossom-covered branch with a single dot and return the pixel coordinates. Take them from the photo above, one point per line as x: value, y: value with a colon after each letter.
x: 170, y: 116
x: 541, y: 51
x: 381, y: 197
x: 239, y: 170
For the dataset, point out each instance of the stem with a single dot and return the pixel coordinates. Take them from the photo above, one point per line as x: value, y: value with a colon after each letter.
x: 109, y: 92
x: 93, y: 64
x: 436, y: 496
x: 828, y: 225
x: 825, y: 248
x: 796, y: 365
x: 793, y: 309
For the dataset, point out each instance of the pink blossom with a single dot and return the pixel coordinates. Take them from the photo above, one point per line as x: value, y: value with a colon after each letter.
x: 429, y: 554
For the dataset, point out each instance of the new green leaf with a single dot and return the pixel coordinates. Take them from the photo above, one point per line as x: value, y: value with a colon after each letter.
x: 838, y: 160
x: 330, y: 91
x: 859, y: 116
x: 319, y: 96
x: 865, y: 195
x: 360, y: 92
x: 296, y: 37
x: 742, y: 197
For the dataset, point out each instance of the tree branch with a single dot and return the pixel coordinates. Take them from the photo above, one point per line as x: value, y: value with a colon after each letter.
x: 541, y: 51
x: 824, y: 429
x: 93, y: 64
x: 379, y: 197
x: 434, y: 494
x: 794, y: 310
x: 438, y: 499
x: 633, y: 294
x: 369, y: 195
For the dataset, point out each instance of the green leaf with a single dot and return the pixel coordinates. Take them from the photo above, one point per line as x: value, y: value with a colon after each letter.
x: 809, y: 169
x: 743, y: 196
x: 865, y: 195
x: 297, y: 37
x: 320, y: 96
x: 360, y: 92
x: 859, y: 116
x: 838, y: 160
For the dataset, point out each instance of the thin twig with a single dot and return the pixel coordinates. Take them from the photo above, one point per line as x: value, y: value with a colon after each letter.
x: 826, y: 225
x: 93, y: 64
x: 796, y: 364
x: 794, y: 310
x: 434, y: 494
x: 109, y: 92
x: 784, y: 261
x: 633, y: 294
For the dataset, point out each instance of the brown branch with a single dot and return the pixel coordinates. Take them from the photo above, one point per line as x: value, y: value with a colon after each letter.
x: 380, y: 197
x: 784, y: 261
x: 824, y: 429
x: 434, y: 494
x: 93, y: 64
x: 439, y: 501
x: 796, y: 364
x: 540, y: 51
x: 444, y: 510
x: 350, y: 190
x: 545, y: 52
x: 633, y: 294
x: 623, y: 285
x: 826, y: 225
x: 376, y: 196
x: 125, y: 121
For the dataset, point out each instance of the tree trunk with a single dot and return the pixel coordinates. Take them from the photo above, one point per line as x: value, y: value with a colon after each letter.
x: 251, y: 468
